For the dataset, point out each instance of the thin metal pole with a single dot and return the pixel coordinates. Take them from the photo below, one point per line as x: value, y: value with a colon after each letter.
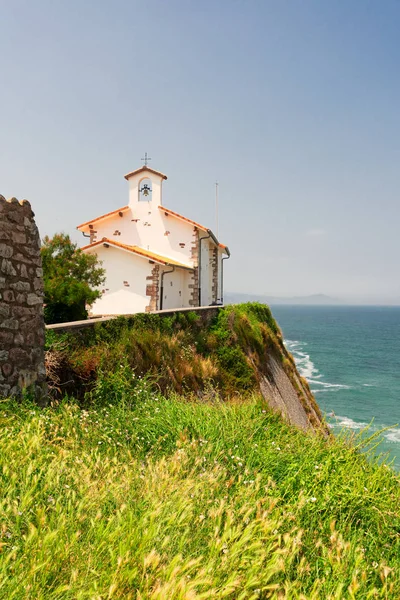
x: 216, y: 206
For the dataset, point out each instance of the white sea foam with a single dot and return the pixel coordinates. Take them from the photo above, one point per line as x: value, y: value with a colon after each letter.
x: 304, y: 363
x: 323, y: 390
x: 348, y: 423
x: 330, y: 385
x: 308, y: 370
x: 293, y: 343
x: 393, y: 434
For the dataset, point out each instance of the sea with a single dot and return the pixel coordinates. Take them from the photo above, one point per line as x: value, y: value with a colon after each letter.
x: 350, y: 356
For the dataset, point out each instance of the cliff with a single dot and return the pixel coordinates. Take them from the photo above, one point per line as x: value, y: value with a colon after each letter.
x: 219, y: 354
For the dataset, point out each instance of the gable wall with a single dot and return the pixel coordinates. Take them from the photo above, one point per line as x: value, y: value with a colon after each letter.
x: 116, y: 228
x: 133, y: 284
x: 162, y: 234
x: 125, y: 285
x: 151, y: 229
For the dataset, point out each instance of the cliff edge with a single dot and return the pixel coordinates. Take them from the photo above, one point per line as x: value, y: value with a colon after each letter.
x: 220, y: 354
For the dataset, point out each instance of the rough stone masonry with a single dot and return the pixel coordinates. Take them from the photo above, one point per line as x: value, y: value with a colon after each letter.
x: 21, y: 302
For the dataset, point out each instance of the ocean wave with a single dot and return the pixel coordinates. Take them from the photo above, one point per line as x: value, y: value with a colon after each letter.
x: 323, y: 390
x: 393, y: 434
x: 330, y: 385
x: 308, y: 369
x: 303, y: 361
x: 294, y: 343
x: 348, y: 423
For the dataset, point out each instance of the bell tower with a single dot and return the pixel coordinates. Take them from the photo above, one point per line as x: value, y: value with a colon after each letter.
x: 145, y: 186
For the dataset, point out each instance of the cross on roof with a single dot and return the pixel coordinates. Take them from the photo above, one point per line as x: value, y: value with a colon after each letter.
x: 145, y: 159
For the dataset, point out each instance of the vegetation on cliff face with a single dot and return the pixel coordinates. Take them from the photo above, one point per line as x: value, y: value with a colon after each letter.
x: 222, y: 356
x: 153, y: 499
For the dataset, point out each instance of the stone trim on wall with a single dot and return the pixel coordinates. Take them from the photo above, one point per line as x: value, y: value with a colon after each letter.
x: 194, y: 279
x: 93, y: 234
x: 21, y: 302
x: 153, y: 289
x: 214, y: 267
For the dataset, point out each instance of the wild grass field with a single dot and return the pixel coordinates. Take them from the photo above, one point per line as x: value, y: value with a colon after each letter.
x: 147, y: 497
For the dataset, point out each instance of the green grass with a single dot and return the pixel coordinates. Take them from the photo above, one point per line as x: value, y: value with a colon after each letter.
x: 153, y: 498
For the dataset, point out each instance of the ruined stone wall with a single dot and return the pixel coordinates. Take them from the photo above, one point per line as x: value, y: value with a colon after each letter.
x: 21, y: 302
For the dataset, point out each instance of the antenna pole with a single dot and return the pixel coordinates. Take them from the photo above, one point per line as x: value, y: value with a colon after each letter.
x: 216, y: 206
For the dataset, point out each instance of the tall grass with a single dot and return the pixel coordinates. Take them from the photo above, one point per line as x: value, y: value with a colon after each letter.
x: 165, y: 499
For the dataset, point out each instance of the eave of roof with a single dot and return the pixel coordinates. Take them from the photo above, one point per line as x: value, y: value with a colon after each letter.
x: 110, y: 214
x: 182, y: 218
x: 144, y: 169
x: 163, y: 260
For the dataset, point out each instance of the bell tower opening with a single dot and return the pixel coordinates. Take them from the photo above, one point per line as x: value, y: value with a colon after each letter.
x: 145, y: 191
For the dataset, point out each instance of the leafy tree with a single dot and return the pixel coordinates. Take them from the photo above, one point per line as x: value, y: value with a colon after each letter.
x: 70, y: 279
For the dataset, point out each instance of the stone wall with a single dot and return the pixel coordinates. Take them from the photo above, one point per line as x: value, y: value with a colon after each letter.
x: 21, y: 302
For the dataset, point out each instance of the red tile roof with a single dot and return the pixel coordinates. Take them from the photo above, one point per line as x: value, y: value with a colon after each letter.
x: 164, y: 260
x: 144, y: 169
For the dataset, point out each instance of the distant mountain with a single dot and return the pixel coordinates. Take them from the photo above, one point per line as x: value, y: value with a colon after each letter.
x: 314, y: 299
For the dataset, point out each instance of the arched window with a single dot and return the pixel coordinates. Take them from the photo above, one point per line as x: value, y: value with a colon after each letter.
x: 145, y: 190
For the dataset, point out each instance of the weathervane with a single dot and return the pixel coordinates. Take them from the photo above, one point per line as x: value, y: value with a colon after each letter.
x: 145, y: 159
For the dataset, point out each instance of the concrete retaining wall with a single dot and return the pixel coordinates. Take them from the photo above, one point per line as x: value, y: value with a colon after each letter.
x: 205, y: 312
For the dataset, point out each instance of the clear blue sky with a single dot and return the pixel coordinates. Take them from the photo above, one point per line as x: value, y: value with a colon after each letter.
x: 293, y: 106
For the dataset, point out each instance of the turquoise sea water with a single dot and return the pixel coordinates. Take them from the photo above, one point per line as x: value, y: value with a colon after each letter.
x: 351, y: 358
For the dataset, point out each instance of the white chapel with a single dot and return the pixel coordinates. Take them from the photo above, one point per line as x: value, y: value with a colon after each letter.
x: 154, y: 258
